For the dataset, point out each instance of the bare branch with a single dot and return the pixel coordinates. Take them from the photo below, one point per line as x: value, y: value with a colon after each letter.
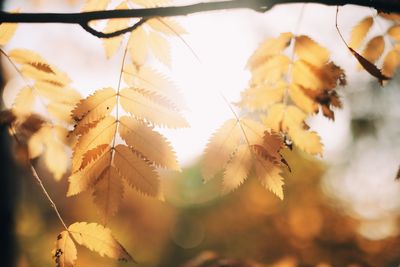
x: 84, y: 18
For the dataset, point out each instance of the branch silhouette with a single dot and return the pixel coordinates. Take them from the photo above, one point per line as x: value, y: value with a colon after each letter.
x: 84, y: 18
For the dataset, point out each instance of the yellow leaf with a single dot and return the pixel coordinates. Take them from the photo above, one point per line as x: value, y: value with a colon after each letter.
x: 64, y: 252
x: 24, y: 101
x: 269, y: 175
x: 136, y: 171
x: 160, y: 48
x: 57, y: 92
x: 391, y: 63
x: 359, y: 32
x: 85, y: 179
x: 95, y: 5
x: 275, y: 116
x: 374, y: 49
x: 310, y: 51
x: 138, y: 46
x: 60, y: 111
x: 99, y: 239
x: 144, y: 108
x: 263, y: 96
x: 148, y: 142
x: 270, y: 47
x: 108, y: 193
x: 93, y: 154
x: 7, y: 31
x: 237, y: 169
x: 253, y: 131
x: 306, y: 75
x: 394, y: 32
x: 271, y: 70
x: 112, y: 45
x: 102, y: 133
x: 301, y: 99
x: 307, y: 141
x: 220, y: 148
x: 167, y: 26
x: 55, y: 156
x: 95, y: 106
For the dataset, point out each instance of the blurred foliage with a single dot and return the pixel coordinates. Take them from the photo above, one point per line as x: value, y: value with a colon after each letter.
x: 196, y: 227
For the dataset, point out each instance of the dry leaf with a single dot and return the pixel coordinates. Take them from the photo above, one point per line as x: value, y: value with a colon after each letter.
x: 359, y: 32
x: 64, y: 252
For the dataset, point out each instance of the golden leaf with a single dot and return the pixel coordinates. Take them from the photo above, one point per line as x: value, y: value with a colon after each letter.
x: 220, y: 148
x: 160, y: 48
x: 60, y: 111
x: 310, y: 51
x: 306, y: 75
x: 301, y: 99
x: 269, y: 48
x: 148, y: 142
x: 374, y: 49
x: 269, y: 175
x: 136, y: 171
x: 95, y: 106
x: 138, y: 46
x: 99, y: 239
x: 93, y: 154
x: 112, y: 45
x: 7, y: 31
x: 108, y: 193
x: 167, y: 26
x: 24, y: 101
x: 237, y: 169
x: 271, y: 70
x: 57, y: 92
x: 64, y: 252
x: 263, y: 96
x: 143, y: 107
x: 102, y: 133
x: 359, y: 32
x: 252, y: 130
x: 391, y: 63
x: 394, y: 32
x: 84, y: 179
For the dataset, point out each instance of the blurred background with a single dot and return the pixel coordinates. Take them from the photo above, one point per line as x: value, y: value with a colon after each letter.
x: 339, y: 210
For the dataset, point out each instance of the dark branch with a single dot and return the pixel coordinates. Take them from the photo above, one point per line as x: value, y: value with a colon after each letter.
x: 84, y: 18
x: 112, y: 34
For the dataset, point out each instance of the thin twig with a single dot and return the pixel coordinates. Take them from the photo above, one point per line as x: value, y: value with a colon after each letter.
x: 40, y: 182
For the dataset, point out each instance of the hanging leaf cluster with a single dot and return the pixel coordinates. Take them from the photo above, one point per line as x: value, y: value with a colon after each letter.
x: 382, y: 49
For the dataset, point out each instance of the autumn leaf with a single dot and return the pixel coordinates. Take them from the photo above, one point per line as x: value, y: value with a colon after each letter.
x: 64, y: 252
x: 374, y: 49
x: 359, y: 32
x: 99, y: 239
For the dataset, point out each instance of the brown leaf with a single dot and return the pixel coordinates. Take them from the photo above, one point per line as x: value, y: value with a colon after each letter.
x: 369, y: 67
x: 64, y: 252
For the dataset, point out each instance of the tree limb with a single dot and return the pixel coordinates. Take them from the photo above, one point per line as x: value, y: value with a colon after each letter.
x: 84, y: 18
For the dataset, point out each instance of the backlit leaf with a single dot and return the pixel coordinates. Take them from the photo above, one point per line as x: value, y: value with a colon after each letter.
x: 64, y: 252
x: 359, y: 32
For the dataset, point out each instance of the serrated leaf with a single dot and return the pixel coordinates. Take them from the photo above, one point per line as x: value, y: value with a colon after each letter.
x: 269, y: 175
x: 84, y: 179
x: 359, y: 32
x: 144, y: 108
x: 57, y: 92
x: 60, y: 111
x: 99, y: 239
x: 310, y: 51
x: 148, y: 142
x: 102, y: 133
x: 108, y: 193
x: 374, y: 49
x: 237, y: 169
x: 220, y: 148
x: 269, y: 48
x: 160, y: 48
x: 93, y: 154
x: 304, y: 102
x: 253, y: 131
x: 136, y: 171
x: 112, y: 45
x: 394, y: 32
x: 64, y: 252
x: 271, y: 70
x: 263, y: 96
x: 95, y: 106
